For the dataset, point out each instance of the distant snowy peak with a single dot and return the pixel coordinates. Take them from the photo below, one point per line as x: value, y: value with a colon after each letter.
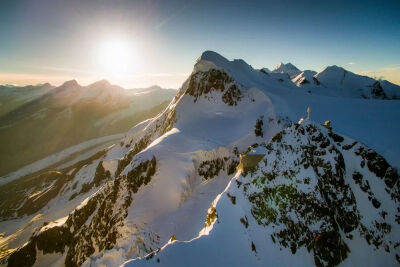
x: 147, y: 90
x: 288, y: 68
x: 101, y: 83
x: 349, y: 84
x: 335, y: 76
x: 70, y: 83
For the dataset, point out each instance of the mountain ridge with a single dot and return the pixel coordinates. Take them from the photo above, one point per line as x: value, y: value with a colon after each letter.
x: 168, y: 177
x: 52, y: 118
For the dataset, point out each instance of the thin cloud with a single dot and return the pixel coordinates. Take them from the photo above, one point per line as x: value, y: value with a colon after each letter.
x: 350, y: 63
x: 171, y: 17
x: 63, y: 70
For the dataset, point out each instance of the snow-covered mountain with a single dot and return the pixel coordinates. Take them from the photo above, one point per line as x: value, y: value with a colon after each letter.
x: 52, y: 119
x: 185, y: 188
x: 315, y: 198
x: 288, y: 68
x: 338, y: 82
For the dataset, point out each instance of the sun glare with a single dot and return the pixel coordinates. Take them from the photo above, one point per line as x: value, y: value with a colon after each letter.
x: 115, y: 57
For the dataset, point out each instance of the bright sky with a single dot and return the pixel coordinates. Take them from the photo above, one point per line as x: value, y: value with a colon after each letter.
x: 141, y: 43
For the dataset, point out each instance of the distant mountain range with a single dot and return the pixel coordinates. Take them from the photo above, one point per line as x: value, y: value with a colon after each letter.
x: 336, y: 81
x: 244, y: 167
x: 37, y: 121
x: 12, y: 96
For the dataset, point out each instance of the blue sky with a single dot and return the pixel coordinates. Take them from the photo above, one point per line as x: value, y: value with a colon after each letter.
x: 57, y: 40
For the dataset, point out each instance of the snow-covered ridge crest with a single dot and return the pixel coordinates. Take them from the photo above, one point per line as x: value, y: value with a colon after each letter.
x: 331, y: 81
x: 238, y: 69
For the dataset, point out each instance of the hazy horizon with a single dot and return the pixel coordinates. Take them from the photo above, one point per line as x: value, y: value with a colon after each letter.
x: 26, y: 80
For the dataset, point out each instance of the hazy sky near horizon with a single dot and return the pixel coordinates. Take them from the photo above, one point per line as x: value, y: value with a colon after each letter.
x: 159, y: 41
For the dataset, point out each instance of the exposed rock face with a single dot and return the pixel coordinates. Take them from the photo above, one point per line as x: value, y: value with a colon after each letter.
x: 314, y: 190
x: 31, y: 193
x: 94, y: 226
x: 202, y: 83
x: 377, y: 91
x: 208, y: 169
x: 304, y: 191
x: 258, y: 127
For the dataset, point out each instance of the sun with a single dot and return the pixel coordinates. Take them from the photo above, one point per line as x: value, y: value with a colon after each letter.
x: 115, y: 57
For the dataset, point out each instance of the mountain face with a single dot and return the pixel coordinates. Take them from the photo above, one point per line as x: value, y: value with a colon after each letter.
x: 223, y: 176
x: 350, y: 84
x: 68, y: 115
x: 303, y: 204
x: 11, y: 97
x: 304, y: 78
x: 287, y: 68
